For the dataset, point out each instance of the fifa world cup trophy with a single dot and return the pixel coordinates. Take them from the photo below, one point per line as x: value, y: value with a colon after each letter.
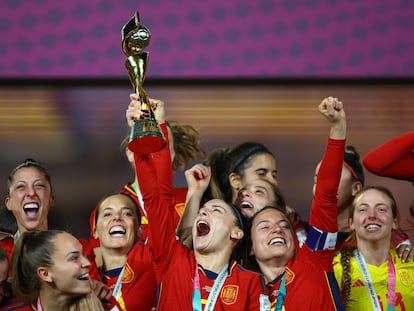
x: 146, y: 135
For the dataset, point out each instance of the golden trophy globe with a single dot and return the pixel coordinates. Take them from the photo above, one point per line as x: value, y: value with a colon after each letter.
x: 146, y: 136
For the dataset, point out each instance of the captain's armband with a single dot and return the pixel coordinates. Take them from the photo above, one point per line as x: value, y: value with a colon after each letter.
x: 319, y: 240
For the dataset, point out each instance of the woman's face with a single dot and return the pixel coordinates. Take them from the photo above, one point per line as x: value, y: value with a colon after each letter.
x: 272, y: 237
x: 215, y: 227
x: 254, y: 196
x: 373, y: 218
x: 263, y: 166
x: 117, y: 223
x: 69, y: 272
x: 30, y: 199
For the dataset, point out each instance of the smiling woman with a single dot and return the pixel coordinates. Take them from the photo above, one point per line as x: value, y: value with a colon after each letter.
x: 290, y: 271
x: 382, y: 277
x: 29, y: 200
x: 51, y: 273
x: 122, y: 261
x: 30, y: 195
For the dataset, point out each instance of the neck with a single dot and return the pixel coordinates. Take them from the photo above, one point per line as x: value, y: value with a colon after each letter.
x: 272, y: 269
x: 212, y: 262
x: 374, y: 253
x: 52, y: 301
x: 40, y: 227
x: 112, y: 259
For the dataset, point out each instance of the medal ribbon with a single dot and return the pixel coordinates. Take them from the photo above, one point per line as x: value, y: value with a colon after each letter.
x: 212, y: 297
x: 370, y: 286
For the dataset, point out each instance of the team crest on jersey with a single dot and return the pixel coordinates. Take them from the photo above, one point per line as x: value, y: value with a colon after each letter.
x: 405, y: 278
x: 290, y: 275
x: 179, y: 208
x: 229, y: 294
x: 128, y: 276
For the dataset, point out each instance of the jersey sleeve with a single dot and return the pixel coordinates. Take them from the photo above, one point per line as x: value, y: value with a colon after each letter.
x: 162, y: 165
x: 324, y: 211
x: 394, y: 158
x: 154, y: 174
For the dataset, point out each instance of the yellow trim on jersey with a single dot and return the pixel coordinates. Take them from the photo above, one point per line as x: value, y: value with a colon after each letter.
x: 121, y: 303
x: 144, y: 220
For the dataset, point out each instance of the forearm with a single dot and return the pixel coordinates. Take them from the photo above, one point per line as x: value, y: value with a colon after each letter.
x: 163, y: 168
x: 185, y: 226
x: 324, y: 204
x: 338, y: 130
x: 161, y: 228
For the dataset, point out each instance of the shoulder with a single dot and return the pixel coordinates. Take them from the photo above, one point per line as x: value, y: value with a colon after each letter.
x: 239, y: 271
x: 7, y: 243
x: 398, y: 262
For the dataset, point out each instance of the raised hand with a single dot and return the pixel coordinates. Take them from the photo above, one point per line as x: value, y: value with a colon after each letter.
x: 134, y: 111
x: 332, y: 109
x: 198, y: 178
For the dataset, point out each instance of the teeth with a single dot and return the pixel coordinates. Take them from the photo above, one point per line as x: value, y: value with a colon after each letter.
x: 83, y: 277
x: 372, y: 227
x: 31, y: 206
x: 277, y: 241
x: 246, y: 205
x: 31, y: 210
x: 117, y: 230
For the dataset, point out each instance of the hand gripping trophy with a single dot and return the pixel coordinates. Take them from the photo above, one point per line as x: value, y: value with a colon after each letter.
x: 146, y: 136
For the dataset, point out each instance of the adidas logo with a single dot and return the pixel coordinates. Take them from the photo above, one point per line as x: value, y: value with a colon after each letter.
x: 358, y: 283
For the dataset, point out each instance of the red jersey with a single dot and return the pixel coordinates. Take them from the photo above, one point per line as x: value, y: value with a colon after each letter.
x: 310, y: 282
x: 179, y: 195
x: 11, y: 303
x: 139, y: 285
x: 16, y: 305
x: 174, y: 263
x: 394, y: 158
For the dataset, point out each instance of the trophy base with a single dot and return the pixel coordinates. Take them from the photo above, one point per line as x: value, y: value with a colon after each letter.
x: 146, y: 137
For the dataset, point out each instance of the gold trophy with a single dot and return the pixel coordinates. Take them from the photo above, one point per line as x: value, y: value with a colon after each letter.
x: 146, y: 136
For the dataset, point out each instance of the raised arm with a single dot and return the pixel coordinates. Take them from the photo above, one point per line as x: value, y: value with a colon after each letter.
x: 198, y: 178
x: 324, y: 205
x: 394, y: 158
x: 154, y: 174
